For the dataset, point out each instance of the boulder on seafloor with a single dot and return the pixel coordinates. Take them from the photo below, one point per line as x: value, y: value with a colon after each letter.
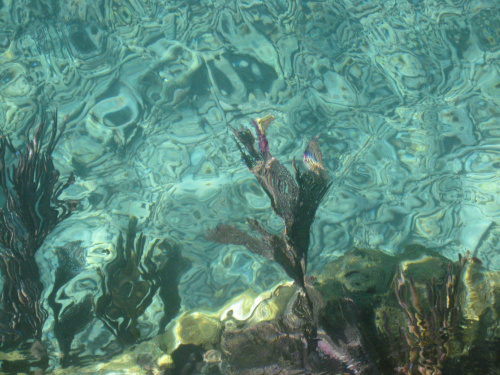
x: 372, y: 271
x: 217, y: 333
x: 204, y: 327
x: 481, y: 306
x: 357, y: 271
x: 482, y: 295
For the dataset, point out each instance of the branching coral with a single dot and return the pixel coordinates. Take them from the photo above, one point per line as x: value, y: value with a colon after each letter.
x: 295, y: 201
x: 422, y: 348
x: 31, y: 191
x: 131, y: 280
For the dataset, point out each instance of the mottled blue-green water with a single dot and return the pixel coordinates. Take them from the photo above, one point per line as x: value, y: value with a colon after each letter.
x: 404, y: 95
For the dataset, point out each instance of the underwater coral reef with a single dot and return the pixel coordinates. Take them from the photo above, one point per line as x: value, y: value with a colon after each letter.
x: 415, y: 313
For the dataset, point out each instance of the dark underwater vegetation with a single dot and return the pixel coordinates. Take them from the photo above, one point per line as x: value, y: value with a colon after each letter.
x: 367, y: 313
x: 32, y: 208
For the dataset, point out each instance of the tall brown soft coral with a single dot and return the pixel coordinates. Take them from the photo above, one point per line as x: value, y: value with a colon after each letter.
x: 132, y: 279
x: 295, y: 201
x: 30, y: 188
x: 432, y: 315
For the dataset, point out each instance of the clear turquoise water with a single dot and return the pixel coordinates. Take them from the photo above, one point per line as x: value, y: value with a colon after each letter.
x: 405, y: 96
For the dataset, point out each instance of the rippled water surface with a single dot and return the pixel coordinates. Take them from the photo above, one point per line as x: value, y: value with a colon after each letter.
x: 405, y: 96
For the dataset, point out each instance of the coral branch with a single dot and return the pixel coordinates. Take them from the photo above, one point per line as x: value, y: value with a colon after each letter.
x: 229, y: 234
x: 131, y: 280
x: 31, y: 191
x: 431, y: 322
x: 295, y: 201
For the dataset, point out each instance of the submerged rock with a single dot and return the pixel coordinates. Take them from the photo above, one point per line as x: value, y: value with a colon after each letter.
x: 358, y: 271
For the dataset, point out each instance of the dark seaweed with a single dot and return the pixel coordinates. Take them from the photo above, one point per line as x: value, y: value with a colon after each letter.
x: 131, y: 280
x: 30, y: 188
x: 295, y: 201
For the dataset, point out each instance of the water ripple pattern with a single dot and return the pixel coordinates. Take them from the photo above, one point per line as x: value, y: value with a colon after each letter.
x: 405, y: 97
